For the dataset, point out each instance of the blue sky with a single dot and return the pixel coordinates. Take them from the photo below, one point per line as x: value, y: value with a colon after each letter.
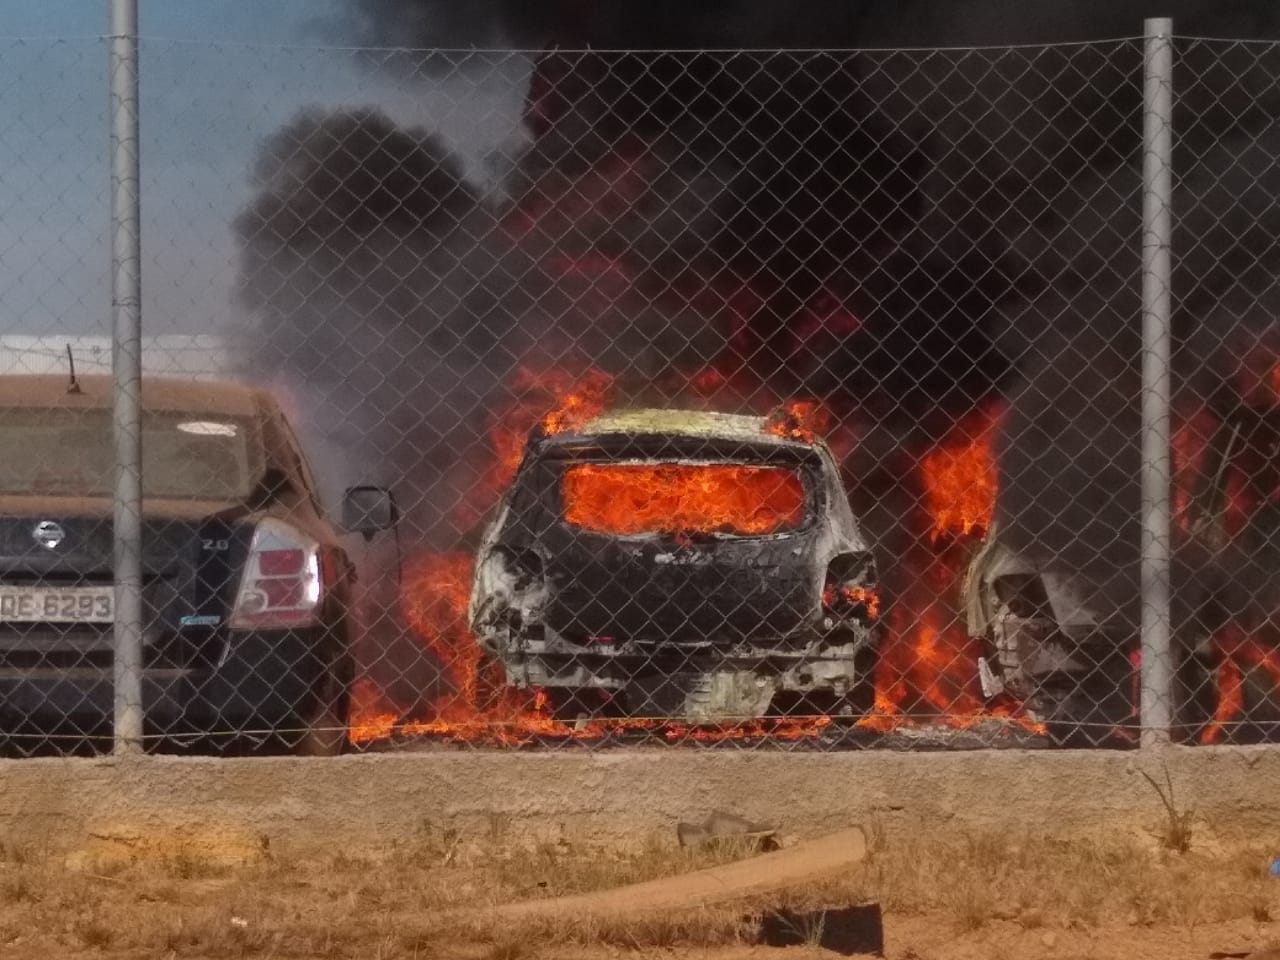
x: 215, y: 81
x: 228, y: 21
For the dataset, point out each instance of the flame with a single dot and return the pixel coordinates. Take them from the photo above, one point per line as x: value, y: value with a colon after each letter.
x: 801, y: 420
x: 927, y: 668
x: 927, y: 672
x: 1238, y: 648
x: 786, y: 729
x: 578, y: 405
x: 1230, y: 683
x: 627, y: 499
x: 944, y: 667
x: 927, y: 655
x: 370, y: 715
x: 437, y: 588
x: 960, y: 482
x: 556, y: 401
x: 885, y: 717
x: 865, y: 597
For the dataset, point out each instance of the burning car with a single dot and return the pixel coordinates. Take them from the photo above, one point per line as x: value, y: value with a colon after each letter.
x: 671, y: 563
x: 1066, y: 641
x: 246, y: 588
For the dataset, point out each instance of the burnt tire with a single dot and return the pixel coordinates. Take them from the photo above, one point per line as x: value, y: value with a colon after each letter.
x: 862, y: 698
x: 802, y: 706
x: 1080, y: 715
x: 324, y: 722
x: 841, y: 708
x: 1195, y: 693
x: 570, y: 704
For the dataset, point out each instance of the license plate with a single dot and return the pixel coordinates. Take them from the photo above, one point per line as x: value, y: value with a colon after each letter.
x: 57, y: 604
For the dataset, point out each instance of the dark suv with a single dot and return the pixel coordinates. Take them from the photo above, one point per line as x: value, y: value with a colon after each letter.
x: 679, y: 564
x: 246, y: 590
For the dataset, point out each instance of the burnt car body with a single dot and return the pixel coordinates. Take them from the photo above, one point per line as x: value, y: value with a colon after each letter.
x: 1068, y: 644
x: 1045, y: 644
x: 246, y: 589
x: 702, y: 621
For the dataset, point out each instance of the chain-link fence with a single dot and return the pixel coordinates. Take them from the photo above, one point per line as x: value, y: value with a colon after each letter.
x: 744, y: 398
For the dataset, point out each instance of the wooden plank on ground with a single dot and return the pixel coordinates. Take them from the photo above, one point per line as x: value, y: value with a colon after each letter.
x: 808, y: 861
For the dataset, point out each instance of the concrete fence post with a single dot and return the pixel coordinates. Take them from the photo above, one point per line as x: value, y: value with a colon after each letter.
x: 126, y: 365
x: 1157, y: 274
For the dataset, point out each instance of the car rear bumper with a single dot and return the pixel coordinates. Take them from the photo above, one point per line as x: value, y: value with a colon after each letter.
x: 262, y: 681
x: 798, y: 664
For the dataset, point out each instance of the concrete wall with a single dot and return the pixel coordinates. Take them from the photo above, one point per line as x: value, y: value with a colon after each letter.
x: 620, y: 798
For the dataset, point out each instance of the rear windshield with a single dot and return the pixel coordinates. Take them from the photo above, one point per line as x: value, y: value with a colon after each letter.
x: 64, y: 451
x: 729, y: 499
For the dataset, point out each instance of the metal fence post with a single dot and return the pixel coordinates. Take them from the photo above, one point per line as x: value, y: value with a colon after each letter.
x: 1157, y: 273
x: 126, y: 360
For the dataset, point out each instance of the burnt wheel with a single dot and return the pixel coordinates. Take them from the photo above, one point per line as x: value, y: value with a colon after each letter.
x: 1083, y: 715
x: 818, y: 703
x: 323, y: 723
x: 843, y: 708
x: 1195, y: 692
x: 570, y: 704
x: 862, y: 698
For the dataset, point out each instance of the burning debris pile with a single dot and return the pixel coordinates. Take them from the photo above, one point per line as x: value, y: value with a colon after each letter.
x: 731, y: 231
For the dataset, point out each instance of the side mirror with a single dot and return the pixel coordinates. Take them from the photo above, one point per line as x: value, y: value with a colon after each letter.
x: 368, y: 510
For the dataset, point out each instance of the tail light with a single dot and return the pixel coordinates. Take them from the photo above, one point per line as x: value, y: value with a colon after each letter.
x: 282, y: 585
x: 850, y: 588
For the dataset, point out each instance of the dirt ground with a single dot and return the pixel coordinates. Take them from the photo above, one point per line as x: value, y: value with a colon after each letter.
x: 945, y: 897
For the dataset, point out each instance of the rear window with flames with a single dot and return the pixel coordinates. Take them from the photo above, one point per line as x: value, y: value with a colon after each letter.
x: 627, y: 499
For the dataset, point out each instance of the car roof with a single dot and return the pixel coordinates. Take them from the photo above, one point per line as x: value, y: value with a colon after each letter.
x: 705, y: 424
x: 158, y: 393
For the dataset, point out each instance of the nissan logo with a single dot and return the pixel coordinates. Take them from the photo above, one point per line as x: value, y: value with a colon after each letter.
x: 48, y: 534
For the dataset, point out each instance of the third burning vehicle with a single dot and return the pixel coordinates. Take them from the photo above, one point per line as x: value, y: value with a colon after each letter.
x: 671, y: 563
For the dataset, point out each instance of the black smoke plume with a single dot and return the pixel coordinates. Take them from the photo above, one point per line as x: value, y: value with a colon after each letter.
x: 668, y: 24
x: 907, y: 235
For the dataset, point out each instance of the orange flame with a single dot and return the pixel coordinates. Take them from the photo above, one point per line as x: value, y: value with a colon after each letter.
x: 960, y: 483
x: 436, y: 592
x: 556, y: 401
x: 1238, y: 648
x: 802, y: 420
x: 437, y: 589
x: 1230, y: 701
x: 627, y: 499
x: 927, y: 667
x: 867, y: 598
x: 370, y: 716
x: 578, y: 405
x: 926, y: 661
x: 885, y: 717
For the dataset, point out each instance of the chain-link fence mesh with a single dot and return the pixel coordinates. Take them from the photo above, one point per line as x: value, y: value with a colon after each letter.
x: 744, y: 398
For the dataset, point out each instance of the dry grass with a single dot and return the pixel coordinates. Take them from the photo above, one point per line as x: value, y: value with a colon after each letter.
x: 387, y: 904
